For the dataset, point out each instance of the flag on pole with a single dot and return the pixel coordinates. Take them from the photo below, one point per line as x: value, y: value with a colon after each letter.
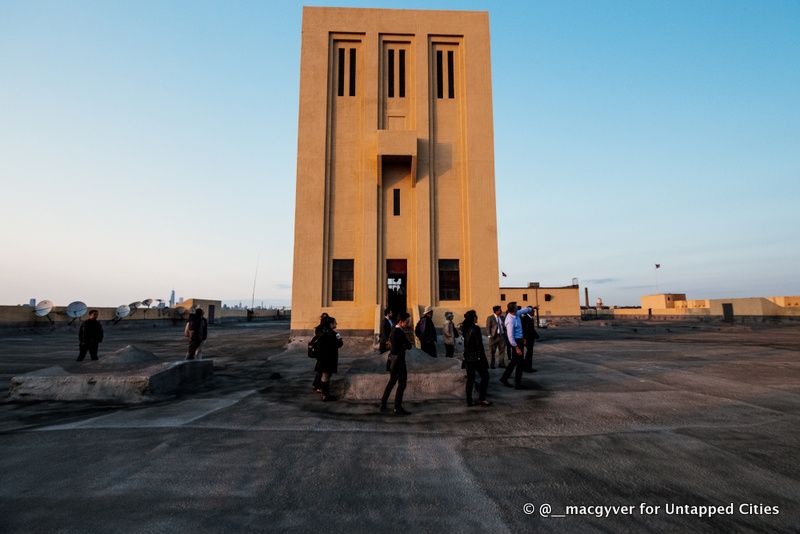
x: 658, y: 265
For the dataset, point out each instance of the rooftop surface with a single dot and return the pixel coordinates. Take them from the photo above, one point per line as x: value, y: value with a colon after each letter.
x: 664, y: 414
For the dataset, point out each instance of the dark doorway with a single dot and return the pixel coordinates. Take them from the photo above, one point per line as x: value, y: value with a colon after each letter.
x: 727, y: 312
x: 396, y: 285
x: 211, y: 312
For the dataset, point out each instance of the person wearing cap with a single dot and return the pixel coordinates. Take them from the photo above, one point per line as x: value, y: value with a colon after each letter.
x: 449, y: 335
x: 426, y: 332
x: 516, y: 339
x: 474, y: 358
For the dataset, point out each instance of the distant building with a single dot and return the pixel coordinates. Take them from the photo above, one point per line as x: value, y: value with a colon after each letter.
x: 676, y: 305
x: 563, y: 301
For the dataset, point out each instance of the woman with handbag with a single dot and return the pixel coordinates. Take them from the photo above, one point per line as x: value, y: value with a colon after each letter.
x: 475, y: 359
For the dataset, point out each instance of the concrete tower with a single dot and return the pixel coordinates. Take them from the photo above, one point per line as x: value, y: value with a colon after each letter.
x: 395, y: 166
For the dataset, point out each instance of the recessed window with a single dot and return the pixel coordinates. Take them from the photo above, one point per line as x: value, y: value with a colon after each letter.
x: 352, y: 72
x: 449, y: 284
x: 525, y: 296
x: 396, y: 202
x: 503, y: 297
x: 390, y: 80
x: 402, y: 73
x: 343, y: 281
x: 439, y: 75
x: 340, y: 73
x: 451, y: 92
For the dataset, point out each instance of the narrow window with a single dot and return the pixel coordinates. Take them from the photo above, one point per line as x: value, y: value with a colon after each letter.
x: 524, y: 296
x: 391, y: 73
x: 352, y: 72
x: 449, y: 286
x: 402, y: 73
x: 340, y: 80
x: 397, y: 202
x: 342, y: 280
x: 439, y: 80
x: 451, y: 93
x: 502, y: 297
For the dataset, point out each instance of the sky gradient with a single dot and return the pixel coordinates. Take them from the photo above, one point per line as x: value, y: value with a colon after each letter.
x: 150, y: 145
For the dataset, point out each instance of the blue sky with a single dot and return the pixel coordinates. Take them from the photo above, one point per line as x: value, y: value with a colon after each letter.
x: 149, y: 145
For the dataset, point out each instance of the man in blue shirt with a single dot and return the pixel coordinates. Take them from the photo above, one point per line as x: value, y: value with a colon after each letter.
x: 516, y: 339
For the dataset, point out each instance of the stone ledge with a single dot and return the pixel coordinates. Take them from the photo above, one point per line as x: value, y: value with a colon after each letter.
x: 141, y: 385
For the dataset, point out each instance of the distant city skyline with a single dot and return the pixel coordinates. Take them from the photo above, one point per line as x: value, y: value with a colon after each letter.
x: 146, y: 146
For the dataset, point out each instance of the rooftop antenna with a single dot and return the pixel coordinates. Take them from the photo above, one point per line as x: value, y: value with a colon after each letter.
x: 121, y: 312
x: 253, y: 296
x: 76, y: 310
x: 43, y: 309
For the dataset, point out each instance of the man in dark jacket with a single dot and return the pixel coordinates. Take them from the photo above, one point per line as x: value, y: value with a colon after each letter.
x: 530, y: 334
x: 386, y: 331
x: 197, y: 333
x: 397, y: 366
x: 426, y: 332
x: 90, y: 336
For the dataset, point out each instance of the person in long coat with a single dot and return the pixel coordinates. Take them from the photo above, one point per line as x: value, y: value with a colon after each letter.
x: 475, y: 361
x: 328, y: 361
x: 398, y: 372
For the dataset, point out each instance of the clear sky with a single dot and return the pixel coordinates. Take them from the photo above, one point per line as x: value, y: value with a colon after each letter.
x: 151, y: 144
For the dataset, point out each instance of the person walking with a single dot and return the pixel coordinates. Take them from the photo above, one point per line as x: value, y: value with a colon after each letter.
x: 530, y: 335
x: 316, y: 385
x: 197, y: 332
x: 398, y: 372
x: 516, y: 339
x: 474, y: 358
x: 496, y: 331
x: 90, y: 335
x: 329, y: 343
x: 426, y: 332
x: 449, y: 335
x: 386, y: 331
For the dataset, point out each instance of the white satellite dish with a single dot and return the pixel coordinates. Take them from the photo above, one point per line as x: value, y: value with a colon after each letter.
x: 76, y: 310
x: 121, y: 312
x: 43, y: 308
x: 147, y: 302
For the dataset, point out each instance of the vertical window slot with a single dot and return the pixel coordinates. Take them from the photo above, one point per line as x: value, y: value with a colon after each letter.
x: 352, y: 72
x: 450, y: 87
x: 402, y: 73
x: 439, y: 80
x: 340, y: 80
x: 390, y: 73
x: 397, y: 202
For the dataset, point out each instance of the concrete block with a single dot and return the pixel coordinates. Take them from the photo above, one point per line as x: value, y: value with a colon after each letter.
x: 132, y: 386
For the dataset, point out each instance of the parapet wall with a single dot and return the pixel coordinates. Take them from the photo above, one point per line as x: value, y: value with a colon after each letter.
x: 22, y: 317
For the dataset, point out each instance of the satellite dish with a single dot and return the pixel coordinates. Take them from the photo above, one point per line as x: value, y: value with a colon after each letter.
x: 147, y: 302
x: 121, y: 312
x: 76, y: 310
x: 43, y: 308
x: 135, y: 305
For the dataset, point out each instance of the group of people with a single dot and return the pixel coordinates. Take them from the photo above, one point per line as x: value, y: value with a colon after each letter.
x: 90, y: 335
x: 511, y: 336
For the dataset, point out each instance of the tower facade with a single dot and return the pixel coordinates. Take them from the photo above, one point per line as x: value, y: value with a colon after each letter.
x: 395, y: 166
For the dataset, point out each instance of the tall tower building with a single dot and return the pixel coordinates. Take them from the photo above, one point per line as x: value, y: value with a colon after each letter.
x: 395, y: 166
